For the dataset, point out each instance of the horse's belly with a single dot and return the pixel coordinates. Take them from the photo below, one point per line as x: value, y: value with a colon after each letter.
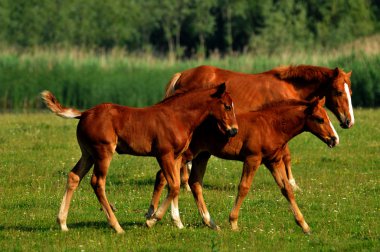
x: 133, y: 149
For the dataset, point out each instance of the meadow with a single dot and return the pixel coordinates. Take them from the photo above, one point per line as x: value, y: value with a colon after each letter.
x: 339, y: 197
x: 84, y: 77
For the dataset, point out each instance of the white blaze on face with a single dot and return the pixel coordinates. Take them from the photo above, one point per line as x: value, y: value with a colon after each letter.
x: 233, y: 108
x: 335, y: 134
x: 351, y: 111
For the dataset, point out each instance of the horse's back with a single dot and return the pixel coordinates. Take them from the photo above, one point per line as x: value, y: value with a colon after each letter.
x: 208, y: 76
x: 249, y: 91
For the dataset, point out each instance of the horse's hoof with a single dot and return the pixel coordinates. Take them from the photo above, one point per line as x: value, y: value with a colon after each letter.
x: 187, y: 187
x: 120, y: 231
x: 213, y: 226
x: 307, y: 232
x: 234, y: 226
x: 179, y: 224
x: 150, y: 223
x: 216, y: 228
x: 64, y: 229
x: 150, y: 212
x: 294, y: 185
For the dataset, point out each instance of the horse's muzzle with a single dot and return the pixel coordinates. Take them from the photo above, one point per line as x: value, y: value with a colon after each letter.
x: 232, y: 132
x: 332, y: 142
x: 346, y: 124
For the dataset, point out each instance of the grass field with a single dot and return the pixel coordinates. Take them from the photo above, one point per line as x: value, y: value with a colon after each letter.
x: 339, y: 197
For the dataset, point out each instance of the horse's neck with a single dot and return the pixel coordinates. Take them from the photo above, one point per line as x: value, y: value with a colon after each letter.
x: 190, y: 111
x: 308, y: 89
x: 290, y: 121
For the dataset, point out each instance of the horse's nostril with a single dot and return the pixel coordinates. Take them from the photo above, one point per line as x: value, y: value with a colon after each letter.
x: 348, y: 121
x: 233, y: 131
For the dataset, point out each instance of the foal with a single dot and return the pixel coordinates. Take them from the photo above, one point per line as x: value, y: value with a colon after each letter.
x: 162, y: 131
x: 261, y: 139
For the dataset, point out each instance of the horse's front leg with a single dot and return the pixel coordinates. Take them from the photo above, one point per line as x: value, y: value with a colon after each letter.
x: 278, y: 171
x: 159, y: 185
x: 288, y: 166
x: 196, y: 183
x: 251, y: 164
x: 171, y: 170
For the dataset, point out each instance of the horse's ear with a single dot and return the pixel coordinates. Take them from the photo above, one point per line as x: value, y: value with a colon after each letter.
x: 314, y: 101
x: 336, y: 71
x: 322, y: 101
x: 349, y: 74
x: 313, y: 104
x: 219, y: 91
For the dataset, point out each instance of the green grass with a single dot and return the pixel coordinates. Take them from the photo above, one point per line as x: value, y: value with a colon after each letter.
x: 339, y: 198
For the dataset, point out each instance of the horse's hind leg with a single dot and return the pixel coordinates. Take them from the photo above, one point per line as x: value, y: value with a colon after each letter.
x: 279, y: 174
x: 288, y: 166
x: 98, y: 183
x: 185, y: 175
x: 73, y: 180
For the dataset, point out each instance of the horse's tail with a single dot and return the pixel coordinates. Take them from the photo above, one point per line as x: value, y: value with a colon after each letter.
x: 53, y: 104
x: 170, y: 87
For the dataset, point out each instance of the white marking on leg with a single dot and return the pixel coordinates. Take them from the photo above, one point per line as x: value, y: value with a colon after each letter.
x: 206, y: 217
x: 175, y: 213
x: 350, y: 109
x: 189, y: 165
x: 292, y: 181
x: 62, y: 214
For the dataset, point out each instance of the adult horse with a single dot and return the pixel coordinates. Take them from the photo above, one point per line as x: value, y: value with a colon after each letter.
x: 251, y: 91
x: 163, y: 131
x: 262, y: 136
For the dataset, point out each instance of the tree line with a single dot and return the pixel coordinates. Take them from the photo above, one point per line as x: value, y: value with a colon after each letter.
x: 187, y: 27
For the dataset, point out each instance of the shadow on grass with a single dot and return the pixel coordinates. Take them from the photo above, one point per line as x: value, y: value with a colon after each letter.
x: 25, y: 228
x: 99, y: 225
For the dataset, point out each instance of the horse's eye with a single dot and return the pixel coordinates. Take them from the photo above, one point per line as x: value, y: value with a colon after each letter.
x: 227, y: 107
x: 319, y: 120
x: 338, y: 93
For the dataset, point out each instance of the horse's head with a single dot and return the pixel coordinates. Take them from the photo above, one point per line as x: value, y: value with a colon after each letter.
x: 222, y: 109
x: 338, y: 98
x: 319, y: 123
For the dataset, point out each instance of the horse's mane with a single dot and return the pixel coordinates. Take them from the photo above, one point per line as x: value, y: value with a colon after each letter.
x: 283, y: 103
x: 303, y: 72
x: 180, y: 93
x: 173, y: 96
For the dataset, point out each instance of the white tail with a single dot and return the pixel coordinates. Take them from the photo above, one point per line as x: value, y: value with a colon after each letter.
x: 53, y: 104
x: 170, y: 87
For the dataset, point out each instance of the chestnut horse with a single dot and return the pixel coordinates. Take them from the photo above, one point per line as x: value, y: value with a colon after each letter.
x: 163, y: 131
x: 251, y: 91
x: 262, y: 138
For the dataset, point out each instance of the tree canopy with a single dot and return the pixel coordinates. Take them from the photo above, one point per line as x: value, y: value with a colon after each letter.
x: 187, y: 27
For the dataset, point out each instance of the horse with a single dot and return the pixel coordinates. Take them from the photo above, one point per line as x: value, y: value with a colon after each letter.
x: 251, y: 91
x: 262, y: 137
x: 163, y: 131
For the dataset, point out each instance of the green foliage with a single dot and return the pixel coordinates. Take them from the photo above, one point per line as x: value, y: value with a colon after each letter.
x: 339, y: 197
x: 275, y: 35
x: 184, y: 27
